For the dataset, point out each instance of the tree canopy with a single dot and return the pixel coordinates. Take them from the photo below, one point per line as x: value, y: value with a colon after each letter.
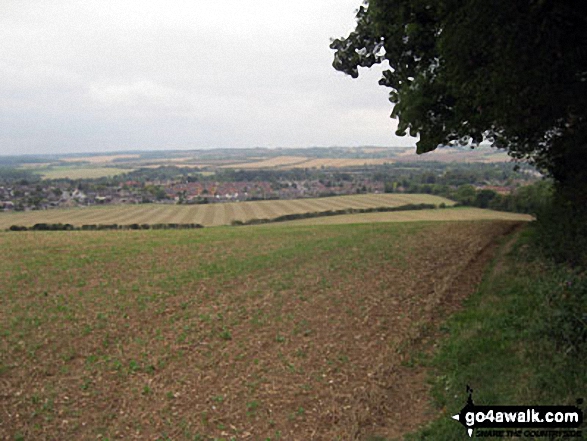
x: 511, y: 72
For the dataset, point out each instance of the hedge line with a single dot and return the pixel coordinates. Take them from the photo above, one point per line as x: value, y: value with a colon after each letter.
x: 286, y: 217
x: 94, y: 227
x: 296, y: 216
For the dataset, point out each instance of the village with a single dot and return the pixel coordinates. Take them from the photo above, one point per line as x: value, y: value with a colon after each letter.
x: 45, y: 195
x: 25, y: 191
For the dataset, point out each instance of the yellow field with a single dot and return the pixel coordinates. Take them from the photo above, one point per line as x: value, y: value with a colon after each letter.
x: 278, y: 161
x: 375, y: 149
x: 288, y: 162
x: 82, y: 172
x: 210, y: 214
x: 174, y: 164
x: 455, y: 214
x: 99, y: 159
x: 340, y: 163
x: 35, y: 165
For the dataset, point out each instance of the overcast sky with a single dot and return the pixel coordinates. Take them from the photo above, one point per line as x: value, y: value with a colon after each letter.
x: 102, y: 75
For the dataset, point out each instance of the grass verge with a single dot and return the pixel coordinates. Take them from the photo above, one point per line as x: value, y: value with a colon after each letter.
x: 520, y: 340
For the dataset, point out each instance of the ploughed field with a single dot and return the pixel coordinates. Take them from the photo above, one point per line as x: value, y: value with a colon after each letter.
x: 290, y: 332
x: 210, y: 214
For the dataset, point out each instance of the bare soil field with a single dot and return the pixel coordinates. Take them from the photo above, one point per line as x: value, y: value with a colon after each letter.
x: 210, y: 214
x: 291, y: 333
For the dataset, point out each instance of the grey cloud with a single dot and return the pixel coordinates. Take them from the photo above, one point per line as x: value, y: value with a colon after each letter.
x: 107, y: 75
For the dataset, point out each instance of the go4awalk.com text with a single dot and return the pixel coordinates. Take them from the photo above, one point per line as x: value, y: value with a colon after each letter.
x: 520, y: 421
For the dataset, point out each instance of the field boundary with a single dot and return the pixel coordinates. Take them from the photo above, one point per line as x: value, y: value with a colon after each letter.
x: 450, y: 295
x: 102, y: 227
x: 505, y: 327
x: 222, y: 213
x: 313, y: 214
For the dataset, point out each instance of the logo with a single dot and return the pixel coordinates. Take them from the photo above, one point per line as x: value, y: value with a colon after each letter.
x: 474, y: 417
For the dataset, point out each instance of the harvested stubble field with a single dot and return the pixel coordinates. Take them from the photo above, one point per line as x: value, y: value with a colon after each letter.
x: 99, y: 159
x: 289, y: 162
x: 210, y: 214
x: 454, y: 214
x: 340, y: 162
x: 291, y: 333
x: 278, y: 161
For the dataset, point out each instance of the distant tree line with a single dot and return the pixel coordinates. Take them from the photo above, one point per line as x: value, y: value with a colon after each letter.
x: 530, y: 199
x: 407, y: 175
x: 12, y: 175
x: 423, y: 172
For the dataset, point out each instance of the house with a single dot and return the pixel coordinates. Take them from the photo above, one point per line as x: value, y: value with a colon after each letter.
x: 7, y: 205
